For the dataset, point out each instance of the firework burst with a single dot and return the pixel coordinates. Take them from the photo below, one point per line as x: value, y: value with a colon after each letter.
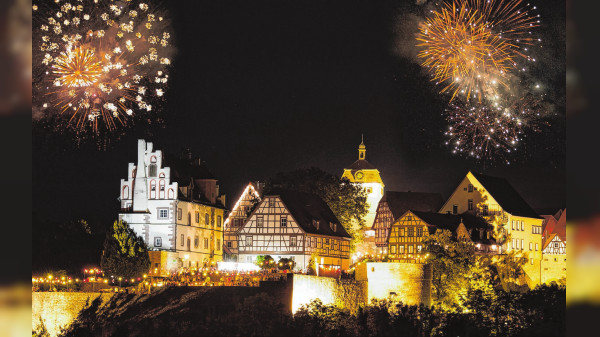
x: 101, y: 63
x: 492, y: 132
x: 471, y: 46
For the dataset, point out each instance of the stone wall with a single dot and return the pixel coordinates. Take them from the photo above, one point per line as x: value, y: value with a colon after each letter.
x: 343, y: 293
x: 406, y: 282
x: 58, y: 309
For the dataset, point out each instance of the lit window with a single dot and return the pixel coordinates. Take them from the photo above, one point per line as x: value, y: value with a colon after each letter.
x: 259, y: 221
x: 512, y: 225
x: 531, y: 246
x: 157, y: 241
x: 411, y: 231
x: 420, y: 231
x: 522, y: 244
x: 218, y: 221
x: 536, y: 246
x: 522, y: 225
x: 292, y: 241
x: 531, y: 260
x: 283, y: 222
x: 401, y: 249
x: 179, y: 214
x: 393, y: 249
x: 248, y: 241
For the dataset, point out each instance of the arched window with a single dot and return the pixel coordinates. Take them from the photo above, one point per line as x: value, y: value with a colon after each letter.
x: 161, y: 189
x: 171, y: 193
x: 152, y: 189
x: 161, y: 175
x: 125, y: 192
x: 153, y: 159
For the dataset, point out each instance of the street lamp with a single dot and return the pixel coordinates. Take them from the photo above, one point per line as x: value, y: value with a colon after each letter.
x: 120, y: 278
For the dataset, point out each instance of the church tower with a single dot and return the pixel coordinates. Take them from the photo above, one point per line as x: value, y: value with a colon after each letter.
x: 363, y: 173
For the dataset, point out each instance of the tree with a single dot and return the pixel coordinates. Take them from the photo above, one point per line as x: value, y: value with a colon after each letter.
x: 347, y: 201
x: 125, y: 254
x: 286, y: 264
x: 265, y: 262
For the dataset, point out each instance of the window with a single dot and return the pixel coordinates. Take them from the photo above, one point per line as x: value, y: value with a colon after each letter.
x: 218, y: 244
x: 393, y: 249
x: 218, y: 221
x: 333, y: 226
x: 470, y: 188
x: 536, y: 229
x: 206, y: 219
x: 205, y: 243
x: 512, y: 225
x: 556, y: 245
x: 158, y: 241
x: 182, y: 239
x: 196, y: 241
x: 531, y: 260
x: 292, y: 241
x: 411, y: 249
x: 283, y: 222
x: 248, y: 241
x: 259, y: 221
x: 163, y: 213
x: 531, y: 246
x: 401, y: 249
x: 485, y: 209
x: 513, y: 244
x: 152, y: 170
x: 419, y: 248
x: 522, y: 244
x: 197, y: 217
x: 454, y: 209
x: 228, y: 244
x: 179, y: 214
x: 470, y: 205
x: 318, y: 242
x: 401, y: 231
x: 271, y: 202
x: 420, y: 231
x: 536, y: 246
x: 411, y: 231
x: 522, y: 225
x: 189, y: 222
x: 308, y: 239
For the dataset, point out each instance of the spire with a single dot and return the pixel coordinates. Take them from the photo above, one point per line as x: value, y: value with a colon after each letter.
x: 361, y: 148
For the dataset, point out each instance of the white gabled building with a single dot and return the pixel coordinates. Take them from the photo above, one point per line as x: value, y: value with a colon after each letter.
x: 236, y: 218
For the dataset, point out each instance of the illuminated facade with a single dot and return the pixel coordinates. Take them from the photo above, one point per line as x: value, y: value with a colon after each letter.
x: 169, y: 207
x: 361, y: 172
x: 236, y: 218
x: 554, y: 251
x: 404, y: 243
x: 296, y: 226
x: 498, y: 202
x: 393, y: 205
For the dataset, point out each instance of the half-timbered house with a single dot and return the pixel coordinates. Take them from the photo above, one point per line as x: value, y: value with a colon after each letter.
x: 394, y: 204
x: 236, y: 218
x: 405, y: 240
x: 296, y: 226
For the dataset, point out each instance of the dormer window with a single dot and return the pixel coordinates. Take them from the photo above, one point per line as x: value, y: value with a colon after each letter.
x: 470, y: 188
x: 316, y: 224
x: 333, y: 226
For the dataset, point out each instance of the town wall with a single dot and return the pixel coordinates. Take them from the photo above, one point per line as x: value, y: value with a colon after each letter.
x: 58, y: 309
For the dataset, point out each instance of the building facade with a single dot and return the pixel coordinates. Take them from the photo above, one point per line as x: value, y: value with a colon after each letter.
x: 165, y: 214
x: 236, y: 218
x: 404, y: 243
x: 514, y: 221
x: 297, y: 226
x: 393, y: 205
x: 554, y: 253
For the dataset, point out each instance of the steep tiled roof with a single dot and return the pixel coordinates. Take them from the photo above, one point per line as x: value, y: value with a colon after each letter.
x: 306, y: 207
x: 556, y: 224
x: 400, y: 202
x: 508, y: 198
x: 451, y: 222
x: 361, y: 164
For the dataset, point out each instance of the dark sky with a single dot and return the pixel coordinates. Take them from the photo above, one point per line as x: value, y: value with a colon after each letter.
x: 262, y: 87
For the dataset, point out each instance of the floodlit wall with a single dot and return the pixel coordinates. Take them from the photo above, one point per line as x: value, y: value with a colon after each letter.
x: 343, y: 293
x: 406, y: 282
x: 554, y: 267
x: 58, y: 309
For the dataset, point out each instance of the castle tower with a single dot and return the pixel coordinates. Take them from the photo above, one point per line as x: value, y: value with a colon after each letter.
x: 363, y: 173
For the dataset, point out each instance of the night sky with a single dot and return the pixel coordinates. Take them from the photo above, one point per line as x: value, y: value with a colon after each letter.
x: 262, y: 87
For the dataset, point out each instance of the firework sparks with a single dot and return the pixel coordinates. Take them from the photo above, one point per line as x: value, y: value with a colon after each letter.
x: 470, y: 46
x: 99, y: 60
x: 491, y: 132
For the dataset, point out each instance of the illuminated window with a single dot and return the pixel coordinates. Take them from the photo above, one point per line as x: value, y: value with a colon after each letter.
x: 248, y: 241
x: 218, y: 221
x: 512, y: 225
x: 259, y: 221
x: 308, y: 241
x: 419, y: 248
x: 470, y: 205
x: 401, y: 249
x: 393, y: 249
x: 318, y: 242
x: 522, y: 244
x: 157, y: 241
x: 163, y: 213
x: 531, y: 260
x: 522, y: 225
x: 401, y: 231
x: 420, y: 231
x: 411, y: 231
x: 410, y: 249
x: 536, y: 246
x: 531, y: 246
x: 292, y: 241
x: 179, y: 214
x: 470, y: 188
x: 283, y: 222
